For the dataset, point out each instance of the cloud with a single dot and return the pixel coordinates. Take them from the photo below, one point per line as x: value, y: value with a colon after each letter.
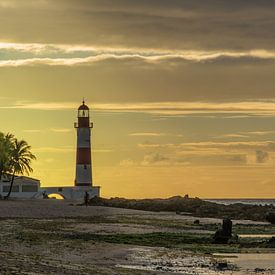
x: 206, y: 145
x: 146, y: 134
x: 232, y: 136
x: 60, y: 130
x: 36, y: 54
x: 56, y: 130
x: 204, y: 158
x: 12, y: 4
x: 187, y: 108
x: 261, y: 156
x: 261, y: 133
x: 32, y: 131
x: 127, y: 163
x: 170, y: 24
x: 45, y: 106
x: 248, y: 134
x: 137, y: 75
x: 54, y: 149
x: 155, y: 159
x: 256, y: 108
x: 231, y: 153
x: 102, y: 150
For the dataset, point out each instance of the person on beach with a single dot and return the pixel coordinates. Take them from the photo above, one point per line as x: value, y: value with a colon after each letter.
x: 86, y: 198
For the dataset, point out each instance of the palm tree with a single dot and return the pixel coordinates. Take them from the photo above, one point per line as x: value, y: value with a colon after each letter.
x: 20, y: 161
x: 6, y: 147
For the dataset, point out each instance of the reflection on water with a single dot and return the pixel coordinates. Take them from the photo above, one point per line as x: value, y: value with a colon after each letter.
x: 166, y: 261
x: 251, y: 261
x: 264, y: 236
x: 244, y: 201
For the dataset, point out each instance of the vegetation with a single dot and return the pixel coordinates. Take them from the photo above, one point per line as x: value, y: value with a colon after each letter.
x: 15, y: 158
x: 191, y: 206
x: 185, y: 241
x: 5, y: 153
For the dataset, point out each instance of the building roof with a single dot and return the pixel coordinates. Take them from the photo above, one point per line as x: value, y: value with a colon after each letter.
x: 6, y: 176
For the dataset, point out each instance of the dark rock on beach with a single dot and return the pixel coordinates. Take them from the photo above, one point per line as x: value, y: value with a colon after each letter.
x: 270, y: 217
x: 223, y: 235
x: 192, y: 206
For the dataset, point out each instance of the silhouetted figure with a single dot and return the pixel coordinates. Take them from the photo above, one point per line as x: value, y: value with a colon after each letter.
x: 86, y: 198
x: 223, y: 235
x: 45, y: 195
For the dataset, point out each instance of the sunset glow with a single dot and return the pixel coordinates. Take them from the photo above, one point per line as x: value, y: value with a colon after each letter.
x: 181, y: 93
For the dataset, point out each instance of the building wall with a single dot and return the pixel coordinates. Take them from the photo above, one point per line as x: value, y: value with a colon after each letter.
x: 23, y: 187
x: 74, y: 193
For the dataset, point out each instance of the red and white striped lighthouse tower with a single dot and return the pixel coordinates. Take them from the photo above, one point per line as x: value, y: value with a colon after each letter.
x: 83, y: 175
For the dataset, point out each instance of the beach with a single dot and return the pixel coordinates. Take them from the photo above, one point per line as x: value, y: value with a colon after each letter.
x: 63, y: 237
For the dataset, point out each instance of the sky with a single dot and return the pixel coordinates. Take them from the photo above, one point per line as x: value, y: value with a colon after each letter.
x: 182, y: 93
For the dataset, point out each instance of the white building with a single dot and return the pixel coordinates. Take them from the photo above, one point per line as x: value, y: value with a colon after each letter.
x: 29, y: 188
x: 23, y: 187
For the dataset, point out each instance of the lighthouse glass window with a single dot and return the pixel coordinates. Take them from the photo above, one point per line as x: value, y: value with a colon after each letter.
x: 83, y: 113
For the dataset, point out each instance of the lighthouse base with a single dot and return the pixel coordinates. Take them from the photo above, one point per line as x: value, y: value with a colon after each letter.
x: 72, y: 193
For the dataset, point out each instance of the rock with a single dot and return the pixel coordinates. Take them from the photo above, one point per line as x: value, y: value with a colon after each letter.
x: 223, y: 235
x: 271, y: 242
x: 259, y: 270
x: 234, y: 239
x: 220, y: 237
x: 196, y: 221
x: 227, y: 227
x: 270, y: 217
x: 222, y: 265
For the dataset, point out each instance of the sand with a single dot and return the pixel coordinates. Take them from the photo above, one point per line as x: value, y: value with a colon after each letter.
x: 28, y: 248
x: 64, y: 208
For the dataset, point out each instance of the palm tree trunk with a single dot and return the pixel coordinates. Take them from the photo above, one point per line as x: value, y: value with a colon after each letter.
x: 12, y: 180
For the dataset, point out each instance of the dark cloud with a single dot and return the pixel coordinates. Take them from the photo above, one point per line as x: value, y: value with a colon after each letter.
x: 169, y: 25
x: 155, y: 159
x: 136, y: 81
x: 261, y: 156
x: 162, y: 24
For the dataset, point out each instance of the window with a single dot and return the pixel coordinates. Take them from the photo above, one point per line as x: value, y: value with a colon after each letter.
x: 29, y: 188
x: 15, y: 188
x: 83, y: 113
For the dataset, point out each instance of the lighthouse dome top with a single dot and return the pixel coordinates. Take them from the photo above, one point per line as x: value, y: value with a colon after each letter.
x: 83, y: 106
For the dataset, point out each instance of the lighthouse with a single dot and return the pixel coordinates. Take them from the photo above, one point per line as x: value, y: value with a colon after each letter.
x: 83, y: 176
x: 83, y: 183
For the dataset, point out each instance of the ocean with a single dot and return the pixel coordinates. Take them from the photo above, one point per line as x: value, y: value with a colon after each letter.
x: 244, y: 201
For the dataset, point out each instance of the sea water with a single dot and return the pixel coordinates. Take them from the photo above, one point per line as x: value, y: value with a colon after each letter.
x: 244, y: 201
